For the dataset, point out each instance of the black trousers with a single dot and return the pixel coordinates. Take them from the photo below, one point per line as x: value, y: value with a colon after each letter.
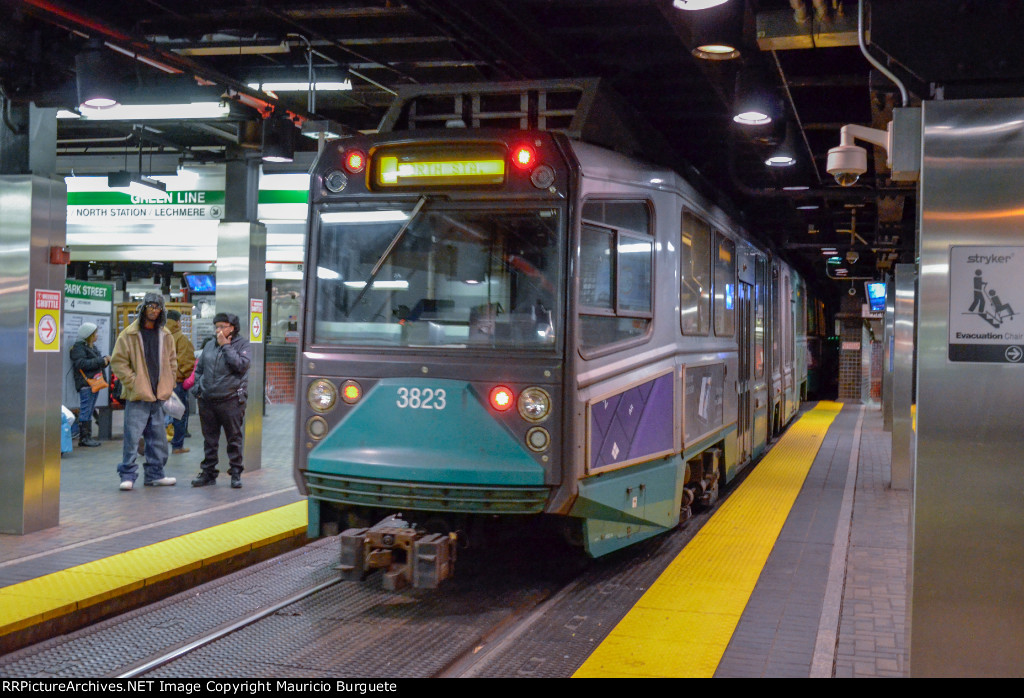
x: 230, y: 416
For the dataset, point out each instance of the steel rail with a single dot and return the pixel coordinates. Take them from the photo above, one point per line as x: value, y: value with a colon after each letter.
x: 222, y: 631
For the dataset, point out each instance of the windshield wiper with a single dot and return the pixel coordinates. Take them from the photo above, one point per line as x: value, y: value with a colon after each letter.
x: 387, y: 253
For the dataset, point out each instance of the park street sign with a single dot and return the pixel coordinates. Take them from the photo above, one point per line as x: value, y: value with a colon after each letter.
x: 88, y: 297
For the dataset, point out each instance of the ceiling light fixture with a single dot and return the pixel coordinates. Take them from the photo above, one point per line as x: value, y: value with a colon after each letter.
x: 784, y: 155
x: 152, y: 112
x: 96, y: 76
x: 136, y: 184
x: 716, y: 34
x: 278, y: 139
x: 697, y: 4
x: 295, y: 86
x: 754, y: 105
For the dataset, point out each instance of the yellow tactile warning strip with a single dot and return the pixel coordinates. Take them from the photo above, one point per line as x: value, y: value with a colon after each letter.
x: 25, y: 604
x: 682, y: 625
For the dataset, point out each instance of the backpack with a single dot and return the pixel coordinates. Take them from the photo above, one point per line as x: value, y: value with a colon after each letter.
x: 116, y: 391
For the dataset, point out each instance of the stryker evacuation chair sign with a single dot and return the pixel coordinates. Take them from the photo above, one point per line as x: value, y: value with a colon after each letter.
x: 986, y: 302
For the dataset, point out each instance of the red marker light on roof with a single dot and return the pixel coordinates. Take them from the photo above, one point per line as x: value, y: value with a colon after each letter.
x: 355, y: 161
x: 501, y: 398
x: 524, y: 157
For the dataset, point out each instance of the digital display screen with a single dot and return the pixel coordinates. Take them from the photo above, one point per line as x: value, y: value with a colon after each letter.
x: 446, y: 165
x: 201, y: 283
x: 876, y: 296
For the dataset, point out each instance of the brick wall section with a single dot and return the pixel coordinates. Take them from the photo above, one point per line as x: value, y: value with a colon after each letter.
x: 280, y: 361
x: 876, y: 370
x: 851, y: 370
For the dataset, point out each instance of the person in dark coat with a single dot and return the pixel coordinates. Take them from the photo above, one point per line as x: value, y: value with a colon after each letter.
x: 86, y: 358
x: 221, y: 388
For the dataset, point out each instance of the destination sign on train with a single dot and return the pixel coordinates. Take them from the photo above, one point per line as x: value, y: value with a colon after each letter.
x: 443, y: 168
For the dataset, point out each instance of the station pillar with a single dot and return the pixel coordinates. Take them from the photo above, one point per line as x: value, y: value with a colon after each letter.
x: 241, y: 279
x: 33, y: 212
x: 967, y: 592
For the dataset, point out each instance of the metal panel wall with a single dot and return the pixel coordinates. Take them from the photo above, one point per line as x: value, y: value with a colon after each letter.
x: 888, y: 358
x: 32, y: 215
x: 902, y: 466
x: 241, y: 275
x: 968, y: 529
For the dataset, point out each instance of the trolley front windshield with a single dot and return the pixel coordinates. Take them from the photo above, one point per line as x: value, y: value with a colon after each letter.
x: 438, y: 277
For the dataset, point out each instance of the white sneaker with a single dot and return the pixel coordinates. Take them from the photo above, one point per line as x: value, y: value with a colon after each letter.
x: 126, y: 485
x: 162, y: 482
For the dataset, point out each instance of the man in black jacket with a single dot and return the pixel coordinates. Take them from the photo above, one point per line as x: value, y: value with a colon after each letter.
x: 222, y: 381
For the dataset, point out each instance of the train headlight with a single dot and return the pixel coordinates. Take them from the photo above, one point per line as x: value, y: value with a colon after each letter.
x: 538, y: 439
x: 351, y: 392
x: 317, y: 427
x: 336, y: 181
x: 534, y: 404
x: 321, y: 395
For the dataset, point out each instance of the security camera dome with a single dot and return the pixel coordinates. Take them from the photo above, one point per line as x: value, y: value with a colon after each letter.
x: 847, y: 163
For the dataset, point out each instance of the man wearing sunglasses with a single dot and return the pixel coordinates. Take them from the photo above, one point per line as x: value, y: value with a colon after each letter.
x: 145, y: 361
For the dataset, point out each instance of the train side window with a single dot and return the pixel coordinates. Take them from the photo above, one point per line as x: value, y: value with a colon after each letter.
x: 787, y: 297
x: 695, y: 274
x: 597, y: 268
x: 725, y: 286
x: 760, y: 291
x: 776, y: 323
x: 616, y: 273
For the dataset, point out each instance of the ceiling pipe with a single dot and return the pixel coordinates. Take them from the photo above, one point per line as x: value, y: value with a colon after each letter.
x: 872, y: 60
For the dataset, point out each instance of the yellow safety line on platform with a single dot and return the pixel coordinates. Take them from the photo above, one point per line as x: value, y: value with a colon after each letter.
x: 682, y: 625
x: 27, y: 603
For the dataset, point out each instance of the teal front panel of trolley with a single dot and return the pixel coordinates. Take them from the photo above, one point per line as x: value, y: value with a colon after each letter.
x: 425, y: 430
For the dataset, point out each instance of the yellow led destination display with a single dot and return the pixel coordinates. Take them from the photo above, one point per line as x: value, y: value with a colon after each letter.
x: 431, y: 166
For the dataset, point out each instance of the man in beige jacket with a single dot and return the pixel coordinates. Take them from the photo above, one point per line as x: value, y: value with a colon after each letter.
x: 145, y: 361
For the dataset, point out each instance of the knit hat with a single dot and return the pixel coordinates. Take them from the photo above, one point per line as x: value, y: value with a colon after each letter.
x: 173, y: 315
x: 158, y: 300
x: 86, y: 329
x: 229, y: 318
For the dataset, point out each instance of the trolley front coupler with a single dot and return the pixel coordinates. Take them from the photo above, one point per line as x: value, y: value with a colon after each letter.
x: 409, y: 556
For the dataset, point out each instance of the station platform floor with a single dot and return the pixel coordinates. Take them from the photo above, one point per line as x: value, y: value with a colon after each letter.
x: 828, y: 600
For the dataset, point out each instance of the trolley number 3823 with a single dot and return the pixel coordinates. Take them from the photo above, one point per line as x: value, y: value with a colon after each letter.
x: 425, y: 399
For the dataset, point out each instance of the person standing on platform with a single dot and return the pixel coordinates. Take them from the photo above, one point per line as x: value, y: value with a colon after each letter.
x: 145, y: 361
x: 86, y: 359
x: 186, y: 361
x: 222, y: 386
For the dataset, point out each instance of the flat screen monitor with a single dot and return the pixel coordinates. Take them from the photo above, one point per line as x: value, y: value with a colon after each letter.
x: 201, y: 283
x: 876, y: 296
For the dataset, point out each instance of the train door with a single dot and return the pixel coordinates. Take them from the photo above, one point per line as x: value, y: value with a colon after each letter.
x: 744, y: 383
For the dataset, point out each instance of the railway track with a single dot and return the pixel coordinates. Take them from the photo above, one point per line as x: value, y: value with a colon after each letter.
x: 293, y: 617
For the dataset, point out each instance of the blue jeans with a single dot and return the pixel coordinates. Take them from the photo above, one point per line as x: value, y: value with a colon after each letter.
x: 180, y: 425
x: 86, y: 400
x: 145, y: 419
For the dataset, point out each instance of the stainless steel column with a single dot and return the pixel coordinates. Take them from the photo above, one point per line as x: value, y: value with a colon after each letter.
x: 903, y: 378
x: 888, y: 346
x: 32, y: 219
x: 241, y: 275
x: 967, y: 601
